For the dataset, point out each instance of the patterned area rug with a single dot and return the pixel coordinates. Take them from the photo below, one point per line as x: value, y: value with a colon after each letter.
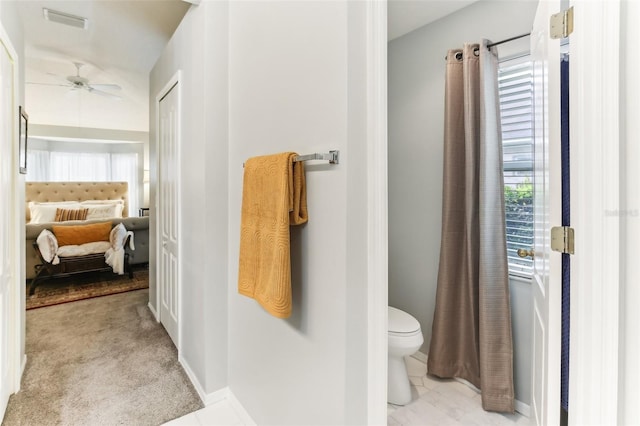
x: 85, y: 286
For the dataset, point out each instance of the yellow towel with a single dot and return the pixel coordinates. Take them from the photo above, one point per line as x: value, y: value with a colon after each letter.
x: 273, y: 197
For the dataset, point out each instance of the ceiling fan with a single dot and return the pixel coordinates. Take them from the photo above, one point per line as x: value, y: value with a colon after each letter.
x: 77, y: 82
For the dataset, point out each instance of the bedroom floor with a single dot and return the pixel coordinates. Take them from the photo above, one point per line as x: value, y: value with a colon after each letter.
x: 100, y: 361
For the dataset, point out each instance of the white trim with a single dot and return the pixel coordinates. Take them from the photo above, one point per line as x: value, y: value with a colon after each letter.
x: 217, y: 396
x: 206, y: 398
x: 153, y: 312
x: 630, y: 295
x: 378, y: 244
x: 16, y: 326
x: 23, y: 365
x: 173, y: 81
x: 240, y: 411
x: 594, y: 98
x: 523, y: 408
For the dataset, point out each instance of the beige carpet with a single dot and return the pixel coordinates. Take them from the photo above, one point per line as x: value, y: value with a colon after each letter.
x: 102, y: 361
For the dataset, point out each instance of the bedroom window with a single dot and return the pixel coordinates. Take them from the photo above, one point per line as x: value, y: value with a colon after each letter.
x: 56, y: 166
x: 515, y: 87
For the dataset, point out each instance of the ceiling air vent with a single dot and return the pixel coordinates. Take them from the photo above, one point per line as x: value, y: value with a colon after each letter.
x: 65, y: 18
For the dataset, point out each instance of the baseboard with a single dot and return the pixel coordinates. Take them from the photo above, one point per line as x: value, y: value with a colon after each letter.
x: 206, y: 398
x: 217, y: 396
x: 239, y: 410
x: 194, y: 380
x: 523, y: 408
x: 153, y: 311
x: 22, y: 367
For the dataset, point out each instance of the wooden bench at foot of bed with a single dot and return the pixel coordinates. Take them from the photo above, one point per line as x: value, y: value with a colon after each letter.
x: 73, y: 265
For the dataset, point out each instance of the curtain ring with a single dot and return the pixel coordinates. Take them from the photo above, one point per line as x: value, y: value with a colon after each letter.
x: 476, y: 51
x: 458, y: 56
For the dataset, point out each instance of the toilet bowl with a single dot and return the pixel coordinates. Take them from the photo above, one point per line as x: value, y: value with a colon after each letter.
x: 405, y: 338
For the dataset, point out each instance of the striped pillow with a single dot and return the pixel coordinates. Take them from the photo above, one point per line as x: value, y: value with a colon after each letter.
x: 62, y: 215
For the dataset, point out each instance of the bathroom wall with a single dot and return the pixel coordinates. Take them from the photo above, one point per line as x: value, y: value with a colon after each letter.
x: 259, y: 78
x: 416, y: 122
x: 296, y: 74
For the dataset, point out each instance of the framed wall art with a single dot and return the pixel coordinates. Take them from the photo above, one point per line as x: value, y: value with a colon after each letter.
x: 22, y: 140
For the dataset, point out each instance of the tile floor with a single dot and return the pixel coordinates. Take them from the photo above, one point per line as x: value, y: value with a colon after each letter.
x: 435, y: 402
x: 444, y: 402
x: 218, y: 414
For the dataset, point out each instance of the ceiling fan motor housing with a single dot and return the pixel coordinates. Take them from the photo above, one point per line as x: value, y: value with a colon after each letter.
x: 77, y: 81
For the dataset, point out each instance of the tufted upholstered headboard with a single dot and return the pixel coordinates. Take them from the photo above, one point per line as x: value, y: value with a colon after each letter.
x: 75, y: 191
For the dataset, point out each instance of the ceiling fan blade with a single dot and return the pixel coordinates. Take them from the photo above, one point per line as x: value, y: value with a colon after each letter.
x: 47, y: 84
x: 106, y: 86
x: 105, y: 94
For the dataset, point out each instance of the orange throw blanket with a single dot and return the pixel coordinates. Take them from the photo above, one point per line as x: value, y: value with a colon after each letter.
x: 273, y: 197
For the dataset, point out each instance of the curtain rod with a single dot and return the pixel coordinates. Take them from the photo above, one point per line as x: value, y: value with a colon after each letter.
x: 508, y: 40
x: 504, y: 41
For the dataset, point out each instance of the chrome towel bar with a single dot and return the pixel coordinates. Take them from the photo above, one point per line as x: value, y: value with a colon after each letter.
x: 333, y: 157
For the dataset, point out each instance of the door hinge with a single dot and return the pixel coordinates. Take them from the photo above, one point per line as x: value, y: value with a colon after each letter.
x: 561, y: 24
x: 562, y: 239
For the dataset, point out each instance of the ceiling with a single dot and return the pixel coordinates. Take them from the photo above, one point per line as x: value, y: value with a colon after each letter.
x: 123, y: 41
x: 405, y: 16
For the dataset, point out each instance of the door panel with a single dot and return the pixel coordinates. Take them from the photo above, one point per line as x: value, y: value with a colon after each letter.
x: 8, y: 116
x: 168, y: 159
x: 6, y: 137
x: 547, y: 213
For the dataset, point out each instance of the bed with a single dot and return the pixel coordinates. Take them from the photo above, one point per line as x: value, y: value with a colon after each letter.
x: 40, y: 204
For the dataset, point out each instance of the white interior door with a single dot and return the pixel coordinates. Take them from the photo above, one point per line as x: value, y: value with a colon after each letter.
x: 8, y: 320
x: 168, y: 271
x: 547, y: 282
x: 6, y: 136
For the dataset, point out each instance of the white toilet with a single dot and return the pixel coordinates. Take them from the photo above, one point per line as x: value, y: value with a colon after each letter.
x: 405, y: 338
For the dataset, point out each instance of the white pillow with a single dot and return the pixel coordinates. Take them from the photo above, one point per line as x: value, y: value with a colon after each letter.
x: 103, y: 211
x: 46, y: 212
x: 48, y: 246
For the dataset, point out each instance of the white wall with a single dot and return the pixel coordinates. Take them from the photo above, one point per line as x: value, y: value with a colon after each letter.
x: 416, y: 133
x: 296, y: 71
x: 295, y: 81
x: 199, y: 42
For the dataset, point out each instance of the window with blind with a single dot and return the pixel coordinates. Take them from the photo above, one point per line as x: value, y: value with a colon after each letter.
x: 515, y: 87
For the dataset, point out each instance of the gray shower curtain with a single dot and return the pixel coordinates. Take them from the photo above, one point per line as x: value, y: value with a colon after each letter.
x: 471, y: 335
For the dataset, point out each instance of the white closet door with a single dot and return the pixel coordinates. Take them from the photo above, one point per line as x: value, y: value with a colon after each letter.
x: 168, y: 272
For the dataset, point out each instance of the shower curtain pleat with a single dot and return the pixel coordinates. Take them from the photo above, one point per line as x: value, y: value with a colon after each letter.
x: 471, y: 335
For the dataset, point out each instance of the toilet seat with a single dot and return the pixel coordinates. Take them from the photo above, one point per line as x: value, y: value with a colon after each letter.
x: 401, y: 323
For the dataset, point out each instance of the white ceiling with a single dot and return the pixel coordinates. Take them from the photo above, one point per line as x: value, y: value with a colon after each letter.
x: 121, y: 45
x: 405, y: 16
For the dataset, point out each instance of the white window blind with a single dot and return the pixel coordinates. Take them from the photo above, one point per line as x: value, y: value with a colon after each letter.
x: 515, y: 87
